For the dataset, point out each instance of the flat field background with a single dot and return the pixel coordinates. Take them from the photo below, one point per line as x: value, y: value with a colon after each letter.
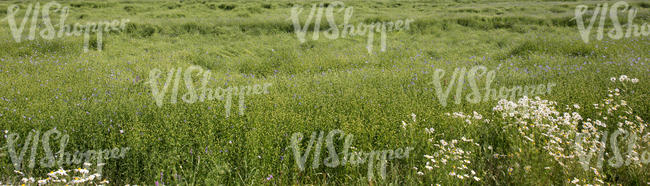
x: 319, y: 85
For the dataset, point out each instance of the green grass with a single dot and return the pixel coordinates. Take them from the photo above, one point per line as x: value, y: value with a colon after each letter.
x: 317, y: 85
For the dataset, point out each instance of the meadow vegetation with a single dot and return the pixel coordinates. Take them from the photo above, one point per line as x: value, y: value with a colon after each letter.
x: 102, y: 99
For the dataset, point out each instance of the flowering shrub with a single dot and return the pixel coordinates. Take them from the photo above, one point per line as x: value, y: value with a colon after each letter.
x: 537, y: 127
x: 614, y: 114
x: 538, y: 123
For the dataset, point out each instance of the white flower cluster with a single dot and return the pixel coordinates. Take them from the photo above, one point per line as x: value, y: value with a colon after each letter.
x: 454, y: 157
x: 566, y: 135
x: 61, y: 177
x: 538, y: 121
x: 613, y: 110
x: 624, y: 78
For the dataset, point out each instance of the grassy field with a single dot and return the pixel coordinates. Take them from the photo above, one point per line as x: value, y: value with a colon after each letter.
x: 386, y: 100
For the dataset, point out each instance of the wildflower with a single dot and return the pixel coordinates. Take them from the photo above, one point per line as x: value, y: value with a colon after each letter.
x: 41, y: 182
x: 613, y: 79
x: 82, y: 171
x: 635, y: 80
x: 575, y: 180
x: 92, y: 177
x: 477, y: 116
x: 61, y: 172
x: 623, y: 78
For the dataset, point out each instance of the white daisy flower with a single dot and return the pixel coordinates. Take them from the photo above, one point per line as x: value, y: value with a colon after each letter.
x: 623, y: 78
x: 41, y: 182
x: 575, y: 180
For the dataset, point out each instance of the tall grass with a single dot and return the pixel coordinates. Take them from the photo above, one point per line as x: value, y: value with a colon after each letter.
x: 317, y: 85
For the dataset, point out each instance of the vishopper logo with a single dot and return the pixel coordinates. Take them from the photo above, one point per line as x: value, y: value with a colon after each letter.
x: 348, y: 29
x: 205, y: 93
x: 49, y: 32
x: 353, y: 158
x: 473, y: 76
x: 618, y: 159
x: 3, y: 148
x: 2, y: 153
x: 60, y: 158
x: 617, y: 32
